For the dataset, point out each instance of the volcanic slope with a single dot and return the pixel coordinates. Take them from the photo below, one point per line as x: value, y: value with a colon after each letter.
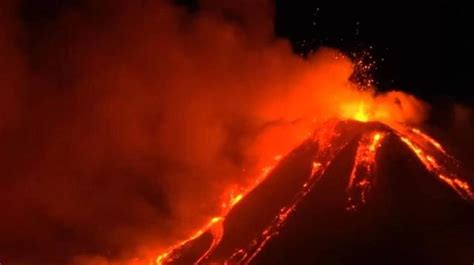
x: 352, y: 193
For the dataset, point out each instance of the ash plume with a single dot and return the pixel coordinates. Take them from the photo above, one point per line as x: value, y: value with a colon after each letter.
x: 123, y: 123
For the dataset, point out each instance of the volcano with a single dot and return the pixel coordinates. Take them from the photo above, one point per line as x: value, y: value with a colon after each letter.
x: 353, y: 192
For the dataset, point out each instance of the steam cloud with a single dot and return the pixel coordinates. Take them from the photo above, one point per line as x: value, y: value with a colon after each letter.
x: 122, y: 129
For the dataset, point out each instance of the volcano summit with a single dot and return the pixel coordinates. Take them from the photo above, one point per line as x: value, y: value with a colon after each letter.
x: 353, y: 192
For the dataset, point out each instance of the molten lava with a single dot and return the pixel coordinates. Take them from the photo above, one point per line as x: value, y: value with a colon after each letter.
x: 363, y: 171
x: 330, y: 141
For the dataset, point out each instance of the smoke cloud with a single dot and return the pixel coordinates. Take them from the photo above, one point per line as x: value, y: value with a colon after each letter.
x: 125, y: 124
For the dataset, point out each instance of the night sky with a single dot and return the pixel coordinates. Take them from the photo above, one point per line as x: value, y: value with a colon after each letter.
x: 419, y: 48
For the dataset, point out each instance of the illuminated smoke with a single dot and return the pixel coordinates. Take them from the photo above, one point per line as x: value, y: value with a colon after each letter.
x: 135, y: 123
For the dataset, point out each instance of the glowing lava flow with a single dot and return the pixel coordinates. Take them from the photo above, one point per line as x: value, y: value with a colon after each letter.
x: 214, y: 226
x: 328, y: 148
x: 167, y: 256
x: 439, y: 168
x: 330, y: 140
x: 363, y: 171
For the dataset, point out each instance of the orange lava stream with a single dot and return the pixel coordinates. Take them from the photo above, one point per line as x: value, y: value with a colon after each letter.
x: 327, y: 151
x: 217, y: 234
x: 439, y: 168
x: 242, y: 256
x: 430, y: 140
x: 167, y: 257
x: 214, y: 225
x: 363, y: 171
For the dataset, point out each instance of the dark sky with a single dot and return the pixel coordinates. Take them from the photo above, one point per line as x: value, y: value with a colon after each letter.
x: 421, y: 48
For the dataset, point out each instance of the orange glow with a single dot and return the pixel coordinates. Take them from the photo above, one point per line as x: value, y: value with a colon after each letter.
x: 315, y: 167
x: 236, y: 199
x: 216, y: 219
x: 375, y: 141
x: 358, y: 111
x: 387, y: 108
x: 361, y: 114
